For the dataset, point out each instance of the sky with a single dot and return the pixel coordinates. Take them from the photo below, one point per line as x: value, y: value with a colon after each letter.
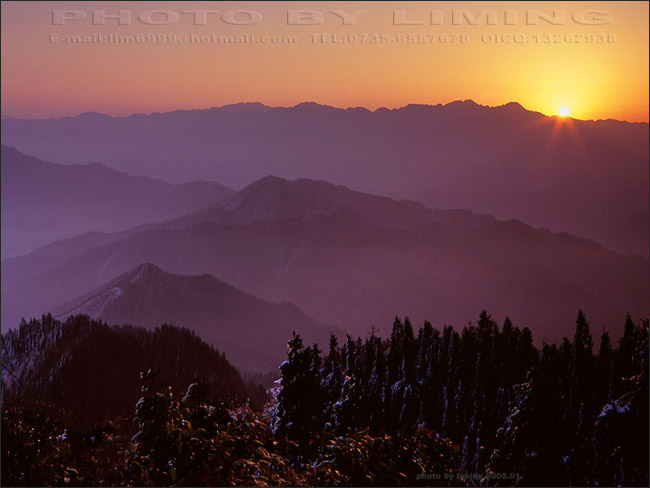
x: 591, y: 57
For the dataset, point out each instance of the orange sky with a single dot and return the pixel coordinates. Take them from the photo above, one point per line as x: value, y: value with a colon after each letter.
x: 595, y: 79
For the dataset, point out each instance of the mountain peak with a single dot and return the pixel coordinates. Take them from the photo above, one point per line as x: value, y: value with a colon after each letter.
x: 512, y: 105
x: 269, y: 180
x: 93, y: 115
x: 272, y: 199
x: 464, y: 103
x: 251, y: 331
x: 244, y: 107
x: 146, y: 269
x: 95, y: 303
x: 265, y: 184
x: 454, y: 105
x: 314, y: 106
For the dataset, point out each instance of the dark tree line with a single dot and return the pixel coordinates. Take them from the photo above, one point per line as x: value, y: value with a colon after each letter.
x: 482, y: 406
x: 91, y: 369
x: 558, y: 415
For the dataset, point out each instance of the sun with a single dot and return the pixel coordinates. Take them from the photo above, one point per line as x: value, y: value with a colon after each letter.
x: 563, y: 110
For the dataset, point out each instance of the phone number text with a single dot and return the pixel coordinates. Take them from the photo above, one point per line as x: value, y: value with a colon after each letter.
x: 389, y: 38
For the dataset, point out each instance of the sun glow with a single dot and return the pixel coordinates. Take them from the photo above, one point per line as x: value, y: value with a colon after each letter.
x: 563, y: 110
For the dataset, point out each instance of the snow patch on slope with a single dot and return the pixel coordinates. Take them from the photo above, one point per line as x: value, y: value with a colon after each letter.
x: 96, y: 305
x: 139, y: 274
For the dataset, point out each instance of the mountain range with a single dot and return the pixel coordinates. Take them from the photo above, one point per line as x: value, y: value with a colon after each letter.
x: 348, y: 259
x: 588, y: 178
x: 44, y: 202
x: 251, y: 332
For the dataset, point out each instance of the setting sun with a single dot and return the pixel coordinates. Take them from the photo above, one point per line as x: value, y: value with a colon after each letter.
x: 563, y: 110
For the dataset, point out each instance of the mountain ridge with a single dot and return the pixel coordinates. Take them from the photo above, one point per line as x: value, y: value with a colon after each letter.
x: 582, y: 177
x: 352, y: 265
x: 256, y: 105
x: 252, y: 332
x: 43, y: 202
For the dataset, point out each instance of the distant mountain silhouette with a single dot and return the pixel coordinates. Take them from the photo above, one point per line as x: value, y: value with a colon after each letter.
x: 93, y: 370
x: 253, y: 333
x: 588, y: 178
x: 44, y: 202
x: 273, y: 199
x: 352, y: 260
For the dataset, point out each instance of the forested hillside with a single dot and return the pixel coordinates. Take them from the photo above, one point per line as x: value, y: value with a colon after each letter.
x: 92, y: 370
x: 480, y: 406
x: 558, y: 415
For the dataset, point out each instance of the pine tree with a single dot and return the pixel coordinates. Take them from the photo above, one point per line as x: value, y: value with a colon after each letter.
x: 349, y: 410
x: 331, y: 381
x: 299, y: 401
x: 428, y: 378
x: 621, y: 429
x: 375, y: 384
x: 407, y: 395
x: 624, y: 360
x: 582, y: 401
x: 394, y: 384
x: 605, y: 369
